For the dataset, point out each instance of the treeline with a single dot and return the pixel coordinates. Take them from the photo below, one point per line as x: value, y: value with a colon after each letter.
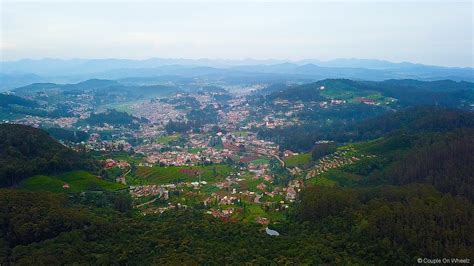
x: 179, y: 126
x: 200, y: 117
x: 305, y: 93
x: 75, y: 136
x: 445, y: 161
x: 411, y: 120
x: 445, y: 93
x: 184, y: 102
x: 18, y: 105
x: 322, y: 149
x: 400, y: 223
x: 332, y: 225
x: 6, y: 100
x: 115, y: 118
x: 23, y: 106
x: 26, y: 151
x: 195, y: 120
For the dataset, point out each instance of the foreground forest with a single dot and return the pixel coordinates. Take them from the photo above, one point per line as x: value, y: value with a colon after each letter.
x: 330, y: 225
x: 411, y: 199
x: 26, y: 151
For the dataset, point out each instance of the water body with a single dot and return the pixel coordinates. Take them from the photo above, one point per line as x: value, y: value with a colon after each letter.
x: 271, y: 232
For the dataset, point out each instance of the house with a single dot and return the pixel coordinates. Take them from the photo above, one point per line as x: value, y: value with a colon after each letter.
x: 336, y: 102
x: 261, y: 186
x: 366, y: 101
x: 262, y: 220
x: 288, y: 153
x: 109, y: 163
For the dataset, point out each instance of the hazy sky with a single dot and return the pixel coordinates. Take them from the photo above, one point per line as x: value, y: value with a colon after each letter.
x: 424, y: 32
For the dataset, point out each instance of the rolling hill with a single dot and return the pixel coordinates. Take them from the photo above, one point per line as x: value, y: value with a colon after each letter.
x: 446, y: 93
x: 27, y: 151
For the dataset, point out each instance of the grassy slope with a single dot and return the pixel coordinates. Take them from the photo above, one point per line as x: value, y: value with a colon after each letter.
x: 167, y: 139
x: 77, y: 180
x: 170, y: 174
x: 261, y: 160
x: 341, y: 90
x: 299, y: 160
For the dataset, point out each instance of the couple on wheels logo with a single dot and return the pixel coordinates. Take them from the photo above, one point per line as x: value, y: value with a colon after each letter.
x: 443, y: 260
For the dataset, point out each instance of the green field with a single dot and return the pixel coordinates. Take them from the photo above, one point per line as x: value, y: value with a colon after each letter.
x: 252, y: 210
x: 119, y: 155
x: 174, y: 174
x: 251, y: 183
x: 342, y: 91
x: 240, y: 133
x: 341, y: 178
x: 121, y: 107
x: 78, y: 181
x: 195, y: 150
x: 167, y: 139
x: 261, y: 160
x: 321, y: 181
x: 300, y: 160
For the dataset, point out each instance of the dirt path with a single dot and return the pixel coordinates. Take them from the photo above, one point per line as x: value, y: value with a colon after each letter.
x: 121, y: 179
x: 146, y: 203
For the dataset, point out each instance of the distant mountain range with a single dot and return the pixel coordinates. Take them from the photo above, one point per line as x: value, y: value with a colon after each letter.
x: 23, y: 72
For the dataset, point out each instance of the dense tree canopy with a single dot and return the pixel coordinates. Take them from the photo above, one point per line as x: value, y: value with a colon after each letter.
x: 26, y: 151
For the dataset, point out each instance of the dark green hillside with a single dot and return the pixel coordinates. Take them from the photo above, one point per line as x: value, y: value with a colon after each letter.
x: 445, y: 161
x: 306, y: 93
x: 68, y: 135
x: 7, y: 100
x: 154, y: 90
x: 113, y: 117
x: 411, y: 120
x: 36, y: 87
x: 90, y: 84
x: 26, y: 151
x: 402, y: 223
x: 12, y: 106
x: 322, y: 90
x: 101, y: 88
x: 341, y: 109
x: 207, y: 115
x: 347, y: 226
x: 273, y: 88
x: 445, y: 93
x: 439, y: 85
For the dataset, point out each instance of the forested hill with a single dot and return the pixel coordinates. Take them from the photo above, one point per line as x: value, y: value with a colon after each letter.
x: 99, y: 86
x: 446, y: 93
x: 444, y: 160
x: 26, y: 151
x: 7, y: 100
x: 410, y: 120
x: 12, y: 106
x: 115, y: 118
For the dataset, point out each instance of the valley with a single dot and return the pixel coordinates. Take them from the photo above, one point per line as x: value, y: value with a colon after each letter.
x: 252, y: 158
